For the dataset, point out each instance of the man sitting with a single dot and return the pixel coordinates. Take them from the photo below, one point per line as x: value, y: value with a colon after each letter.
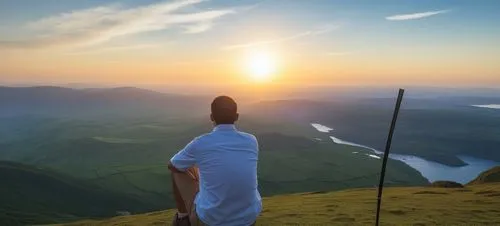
x: 214, y: 177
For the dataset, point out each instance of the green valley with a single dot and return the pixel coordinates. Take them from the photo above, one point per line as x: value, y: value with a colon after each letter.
x: 106, y: 150
x: 129, y: 158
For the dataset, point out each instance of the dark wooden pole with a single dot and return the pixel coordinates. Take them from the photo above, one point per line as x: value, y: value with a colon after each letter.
x: 386, y: 152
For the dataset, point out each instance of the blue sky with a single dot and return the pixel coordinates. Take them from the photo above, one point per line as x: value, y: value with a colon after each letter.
x: 412, y: 34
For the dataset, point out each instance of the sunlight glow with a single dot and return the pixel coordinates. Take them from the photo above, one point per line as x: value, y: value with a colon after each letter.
x: 261, y: 66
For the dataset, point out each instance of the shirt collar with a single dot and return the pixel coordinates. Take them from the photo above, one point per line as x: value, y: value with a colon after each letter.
x: 224, y: 127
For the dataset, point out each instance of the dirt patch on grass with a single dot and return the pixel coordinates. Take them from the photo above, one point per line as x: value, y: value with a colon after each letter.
x: 397, y: 212
x: 316, y: 192
x: 430, y: 193
x: 419, y: 224
x: 343, y: 219
x: 478, y: 201
x: 488, y: 193
x: 485, y: 192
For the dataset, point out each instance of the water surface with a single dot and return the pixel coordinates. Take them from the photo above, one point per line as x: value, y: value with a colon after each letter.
x: 433, y: 171
x: 492, y: 106
x: 321, y: 128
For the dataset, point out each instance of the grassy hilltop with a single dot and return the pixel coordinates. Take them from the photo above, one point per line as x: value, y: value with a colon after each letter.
x: 472, y: 205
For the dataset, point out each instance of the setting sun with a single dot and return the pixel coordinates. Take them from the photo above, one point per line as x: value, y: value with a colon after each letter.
x: 261, y: 66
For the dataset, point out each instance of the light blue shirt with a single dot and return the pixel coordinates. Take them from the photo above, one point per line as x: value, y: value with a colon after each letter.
x: 227, y: 160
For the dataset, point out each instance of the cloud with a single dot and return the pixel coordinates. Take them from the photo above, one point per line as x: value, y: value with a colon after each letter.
x: 115, y: 49
x: 197, y: 28
x: 103, y: 23
x: 414, y: 16
x: 319, y: 31
x: 339, y: 53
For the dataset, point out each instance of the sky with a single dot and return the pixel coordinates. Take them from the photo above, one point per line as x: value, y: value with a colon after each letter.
x: 362, y: 42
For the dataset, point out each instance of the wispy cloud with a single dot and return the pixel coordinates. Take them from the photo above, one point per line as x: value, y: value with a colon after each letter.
x: 339, y: 53
x: 319, y: 31
x: 103, y: 23
x: 197, y: 28
x: 414, y: 16
x: 114, y: 49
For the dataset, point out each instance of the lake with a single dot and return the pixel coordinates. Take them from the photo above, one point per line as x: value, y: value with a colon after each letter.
x: 433, y: 171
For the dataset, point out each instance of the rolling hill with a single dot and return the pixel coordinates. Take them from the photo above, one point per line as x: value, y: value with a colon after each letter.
x: 439, y: 130
x: 490, y: 176
x: 472, y: 205
x: 129, y: 155
x: 117, y: 141
x: 31, y: 195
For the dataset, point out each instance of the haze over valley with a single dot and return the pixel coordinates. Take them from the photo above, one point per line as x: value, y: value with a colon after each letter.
x: 118, y: 140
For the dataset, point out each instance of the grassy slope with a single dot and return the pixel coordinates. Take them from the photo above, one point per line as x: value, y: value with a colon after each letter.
x: 489, y: 176
x: 32, y: 195
x: 475, y: 204
x: 132, y: 157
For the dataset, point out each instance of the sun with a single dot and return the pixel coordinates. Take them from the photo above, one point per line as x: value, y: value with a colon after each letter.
x: 261, y: 66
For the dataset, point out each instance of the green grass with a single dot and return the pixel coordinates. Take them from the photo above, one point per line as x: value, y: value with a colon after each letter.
x: 116, y: 140
x: 290, y: 159
x: 489, y: 176
x: 130, y: 156
x: 31, y: 195
x: 472, y: 205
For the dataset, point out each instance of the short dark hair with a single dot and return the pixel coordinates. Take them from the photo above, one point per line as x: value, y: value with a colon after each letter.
x: 224, y: 110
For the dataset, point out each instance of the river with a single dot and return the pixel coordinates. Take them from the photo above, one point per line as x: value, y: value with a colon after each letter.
x: 492, y: 106
x: 433, y: 171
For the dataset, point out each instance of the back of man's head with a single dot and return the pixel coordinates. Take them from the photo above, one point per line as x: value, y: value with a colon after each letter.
x: 224, y: 110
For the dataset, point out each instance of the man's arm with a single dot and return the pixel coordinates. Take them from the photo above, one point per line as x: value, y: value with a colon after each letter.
x: 184, y: 159
x: 172, y: 168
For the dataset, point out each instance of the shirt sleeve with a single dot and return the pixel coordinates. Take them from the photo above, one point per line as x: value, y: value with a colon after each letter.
x: 185, y: 158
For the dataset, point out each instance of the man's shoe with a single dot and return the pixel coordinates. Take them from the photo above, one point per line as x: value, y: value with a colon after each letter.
x: 180, y: 221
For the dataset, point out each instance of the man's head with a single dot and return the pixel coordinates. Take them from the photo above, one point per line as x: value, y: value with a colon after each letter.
x: 224, y: 110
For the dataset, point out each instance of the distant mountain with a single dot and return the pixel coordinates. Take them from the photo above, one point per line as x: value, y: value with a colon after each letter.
x: 30, y: 195
x: 123, y: 101
x: 489, y: 176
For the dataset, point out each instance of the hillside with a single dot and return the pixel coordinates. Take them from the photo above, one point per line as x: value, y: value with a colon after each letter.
x: 120, y: 139
x: 128, y: 156
x: 32, y: 195
x: 438, y: 130
x: 473, y: 205
x: 490, y: 176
